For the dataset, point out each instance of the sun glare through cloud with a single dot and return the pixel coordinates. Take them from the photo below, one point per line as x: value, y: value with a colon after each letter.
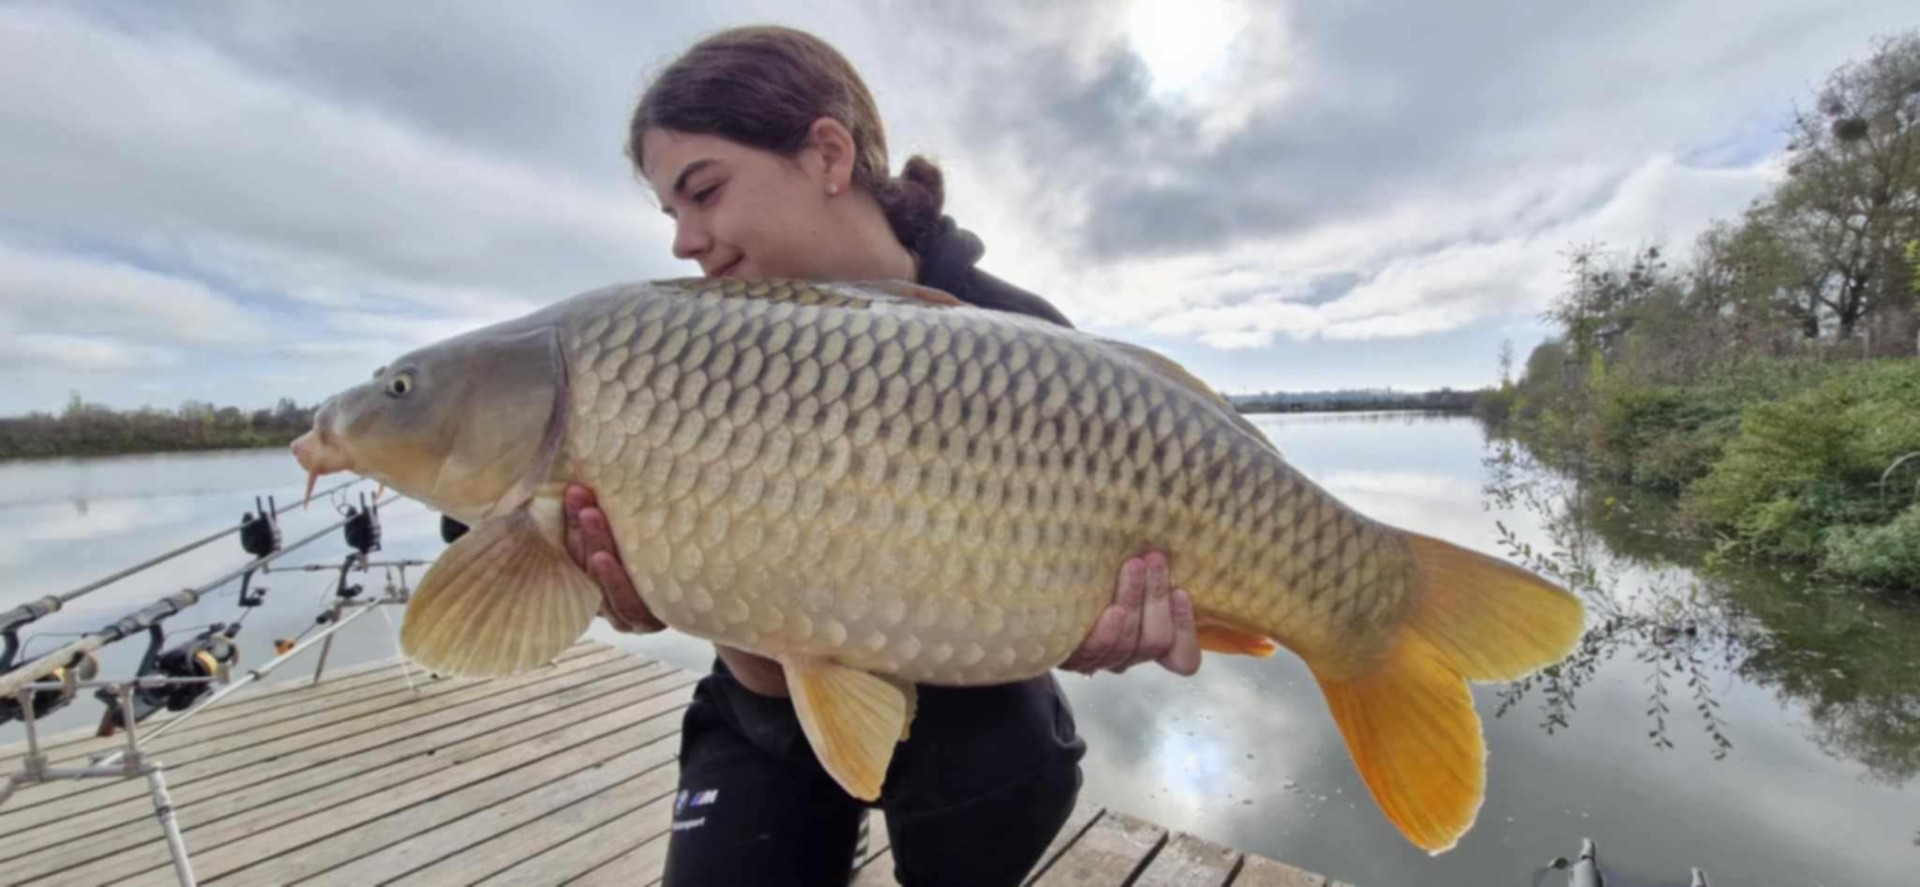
x: 1184, y: 43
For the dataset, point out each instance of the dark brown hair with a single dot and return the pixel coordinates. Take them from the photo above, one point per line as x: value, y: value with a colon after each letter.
x: 764, y: 87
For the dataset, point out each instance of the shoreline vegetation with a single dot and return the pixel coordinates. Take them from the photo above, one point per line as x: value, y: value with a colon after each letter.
x: 1768, y: 387
x: 90, y: 429
x: 1444, y: 400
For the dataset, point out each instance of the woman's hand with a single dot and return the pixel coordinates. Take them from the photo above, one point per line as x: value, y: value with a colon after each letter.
x: 1149, y: 621
x: 590, y: 543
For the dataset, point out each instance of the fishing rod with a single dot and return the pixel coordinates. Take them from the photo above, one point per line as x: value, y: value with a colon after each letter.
x: 11, y: 620
x: 358, y: 610
x: 130, y: 762
x: 152, y: 614
x: 183, y: 678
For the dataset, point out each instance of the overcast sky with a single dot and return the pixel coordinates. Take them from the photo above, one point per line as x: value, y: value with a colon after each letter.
x: 238, y: 202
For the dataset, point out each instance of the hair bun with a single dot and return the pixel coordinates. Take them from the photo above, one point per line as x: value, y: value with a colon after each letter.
x: 922, y: 172
x: 913, y: 200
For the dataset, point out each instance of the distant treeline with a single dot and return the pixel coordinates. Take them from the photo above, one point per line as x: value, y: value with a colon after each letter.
x: 1355, y: 400
x: 88, y: 429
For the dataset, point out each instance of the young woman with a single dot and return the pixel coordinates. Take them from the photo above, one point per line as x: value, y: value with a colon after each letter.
x: 766, y: 149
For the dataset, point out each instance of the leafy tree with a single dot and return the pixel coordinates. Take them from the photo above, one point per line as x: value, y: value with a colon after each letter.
x: 1851, y: 201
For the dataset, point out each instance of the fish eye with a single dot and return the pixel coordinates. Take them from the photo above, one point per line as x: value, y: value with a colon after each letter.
x: 400, y: 385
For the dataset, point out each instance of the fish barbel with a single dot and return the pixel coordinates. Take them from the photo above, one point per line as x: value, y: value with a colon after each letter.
x: 879, y: 486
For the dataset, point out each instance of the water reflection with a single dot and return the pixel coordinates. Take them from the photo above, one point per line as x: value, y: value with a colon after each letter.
x: 1657, y: 597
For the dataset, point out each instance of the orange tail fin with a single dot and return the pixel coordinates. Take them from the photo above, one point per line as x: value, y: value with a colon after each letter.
x: 1409, y: 721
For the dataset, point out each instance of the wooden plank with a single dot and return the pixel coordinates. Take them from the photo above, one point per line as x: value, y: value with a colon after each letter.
x: 1259, y: 871
x: 126, y: 801
x: 594, y: 847
x: 432, y: 818
x: 1187, y: 861
x: 81, y: 740
x: 297, y: 789
x: 187, y: 761
x: 331, y: 718
x: 295, y: 833
x: 1077, y: 823
x: 514, y: 857
x: 641, y: 865
x: 250, y: 707
x: 111, y: 829
x: 328, y: 724
x: 1109, y: 854
x: 202, y: 740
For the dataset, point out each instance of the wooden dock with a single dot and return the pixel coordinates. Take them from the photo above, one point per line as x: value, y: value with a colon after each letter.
x: 564, y: 775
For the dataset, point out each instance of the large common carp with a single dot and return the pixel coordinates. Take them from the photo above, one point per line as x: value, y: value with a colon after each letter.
x: 878, y: 486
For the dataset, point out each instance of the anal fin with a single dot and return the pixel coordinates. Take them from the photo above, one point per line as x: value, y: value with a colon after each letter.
x: 1221, y: 637
x: 852, y: 718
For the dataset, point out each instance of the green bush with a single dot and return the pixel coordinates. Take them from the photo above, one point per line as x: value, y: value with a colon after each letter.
x: 1884, y: 555
x: 1665, y: 437
x: 1802, y: 479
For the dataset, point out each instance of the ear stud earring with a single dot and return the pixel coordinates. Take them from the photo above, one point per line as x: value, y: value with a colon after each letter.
x: 833, y: 188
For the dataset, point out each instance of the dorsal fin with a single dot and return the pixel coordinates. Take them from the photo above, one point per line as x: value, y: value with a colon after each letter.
x: 832, y: 293
x: 913, y: 292
x: 1179, y: 375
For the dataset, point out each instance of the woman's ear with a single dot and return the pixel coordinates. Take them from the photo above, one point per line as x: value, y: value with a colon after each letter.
x: 835, y: 144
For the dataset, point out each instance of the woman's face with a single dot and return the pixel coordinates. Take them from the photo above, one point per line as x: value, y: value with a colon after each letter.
x: 741, y: 211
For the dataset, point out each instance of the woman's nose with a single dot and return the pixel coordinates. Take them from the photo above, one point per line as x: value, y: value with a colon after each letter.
x: 690, y: 240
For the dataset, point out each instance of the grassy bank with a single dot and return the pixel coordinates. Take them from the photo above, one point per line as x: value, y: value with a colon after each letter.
x: 1811, y: 463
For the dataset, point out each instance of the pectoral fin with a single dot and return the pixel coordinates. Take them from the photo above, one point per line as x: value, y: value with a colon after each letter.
x: 852, y: 719
x: 502, y: 599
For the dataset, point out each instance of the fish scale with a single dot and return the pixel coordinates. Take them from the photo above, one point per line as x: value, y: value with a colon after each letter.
x: 918, y: 480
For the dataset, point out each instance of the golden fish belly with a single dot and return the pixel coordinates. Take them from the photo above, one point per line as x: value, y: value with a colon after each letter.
x: 941, y: 494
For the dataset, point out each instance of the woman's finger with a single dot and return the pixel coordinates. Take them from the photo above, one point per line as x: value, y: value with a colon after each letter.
x: 1102, y: 639
x: 618, y: 594
x: 1184, y: 657
x: 1156, y: 618
x: 1129, y: 597
x: 594, y: 533
x: 577, y: 497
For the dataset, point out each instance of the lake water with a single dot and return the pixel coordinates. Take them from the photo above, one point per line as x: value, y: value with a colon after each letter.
x: 1816, y: 691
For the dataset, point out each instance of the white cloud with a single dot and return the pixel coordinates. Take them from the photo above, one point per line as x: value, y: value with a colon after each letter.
x: 1515, y: 267
x: 75, y: 295
x: 83, y: 354
x: 213, y: 166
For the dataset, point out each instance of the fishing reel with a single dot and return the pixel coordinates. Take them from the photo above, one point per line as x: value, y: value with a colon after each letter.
x: 83, y: 667
x: 259, y: 531
x: 363, y: 527
x: 208, y: 655
x: 259, y: 536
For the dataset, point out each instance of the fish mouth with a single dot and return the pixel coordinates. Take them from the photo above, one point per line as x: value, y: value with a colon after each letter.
x: 316, y: 452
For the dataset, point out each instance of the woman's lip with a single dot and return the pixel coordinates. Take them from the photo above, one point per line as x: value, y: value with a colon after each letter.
x: 728, y: 269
